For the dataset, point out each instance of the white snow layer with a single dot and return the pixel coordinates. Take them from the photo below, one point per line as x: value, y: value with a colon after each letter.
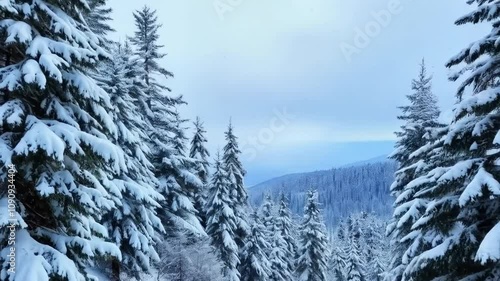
x: 490, y: 246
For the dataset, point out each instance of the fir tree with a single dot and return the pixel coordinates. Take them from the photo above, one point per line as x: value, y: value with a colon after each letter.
x: 420, y: 117
x: 267, y: 213
x: 146, y: 39
x: 278, y: 253
x: 337, y: 264
x: 287, y: 229
x: 461, y: 221
x: 187, y: 260
x: 134, y: 219
x: 221, y: 222
x: 178, y: 183
x: 313, y: 248
x: 58, y: 134
x: 200, y: 154
x: 255, y: 265
x: 166, y: 139
x: 98, y: 20
x: 354, y: 264
x: 378, y: 267
x: 279, y: 258
x: 374, y: 249
x: 235, y: 174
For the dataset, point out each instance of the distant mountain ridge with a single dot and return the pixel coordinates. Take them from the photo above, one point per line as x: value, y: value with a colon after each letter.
x: 360, y: 186
x: 378, y: 159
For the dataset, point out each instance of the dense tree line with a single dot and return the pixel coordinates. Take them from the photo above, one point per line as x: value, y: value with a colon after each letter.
x: 341, y: 191
x: 359, y: 249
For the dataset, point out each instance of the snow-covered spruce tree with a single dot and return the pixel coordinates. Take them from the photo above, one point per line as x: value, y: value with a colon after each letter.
x: 255, y: 265
x: 57, y: 131
x: 146, y: 40
x: 278, y: 253
x: 221, y: 222
x: 267, y: 212
x: 378, y: 267
x: 462, y: 220
x: 268, y: 220
x: 431, y: 156
x: 374, y: 249
x: 133, y: 224
x: 172, y: 167
x: 183, y: 227
x: 235, y: 174
x: 187, y: 260
x: 419, y: 117
x: 278, y: 257
x: 313, y: 243
x: 354, y: 263
x: 367, y: 231
x: 356, y: 260
x: 337, y: 263
x: 178, y: 184
x: 200, y: 154
x: 421, y: 113
x: 287, y: 229
x: 378, y: 258
x: 98, y: 19
x: 186, y: 175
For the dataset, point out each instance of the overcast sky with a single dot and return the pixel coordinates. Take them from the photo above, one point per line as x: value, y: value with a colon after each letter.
x: 301, y: 94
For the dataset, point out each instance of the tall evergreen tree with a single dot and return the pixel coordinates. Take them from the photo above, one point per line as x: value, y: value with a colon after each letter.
x: 166, y: 138
x: 221, y: 222
x: 146, y: 39
x: 278, y: 253
x: 280, y: 269
x: 461, y: 219
x: 431, y: 157
x: 134, y: 219
x: 421, y: 113
x: 268, y: 220
x: 287, y: 229
x: 354, y: 264
x: 255, y: 265
x: 186, y: 259
x: 313, y: 247
x: 200, y: 154
x: 378, y: 267
x: 235, y: 174
x: 98, y: 19
x: 58, y: 134
x: 374, y: 249
x: 419, y: 117
x: 337, y: 263
x: 179, y: 183
x: 267, y: 213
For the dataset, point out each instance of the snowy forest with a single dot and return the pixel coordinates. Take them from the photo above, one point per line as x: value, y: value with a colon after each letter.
x: 103, y: 178
x: 341, y: 191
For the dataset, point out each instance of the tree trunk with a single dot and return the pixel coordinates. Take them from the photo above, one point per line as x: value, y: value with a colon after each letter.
x: 115, y: 268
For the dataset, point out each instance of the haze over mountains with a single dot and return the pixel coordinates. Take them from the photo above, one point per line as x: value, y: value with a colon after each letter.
x: 276, y: 160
